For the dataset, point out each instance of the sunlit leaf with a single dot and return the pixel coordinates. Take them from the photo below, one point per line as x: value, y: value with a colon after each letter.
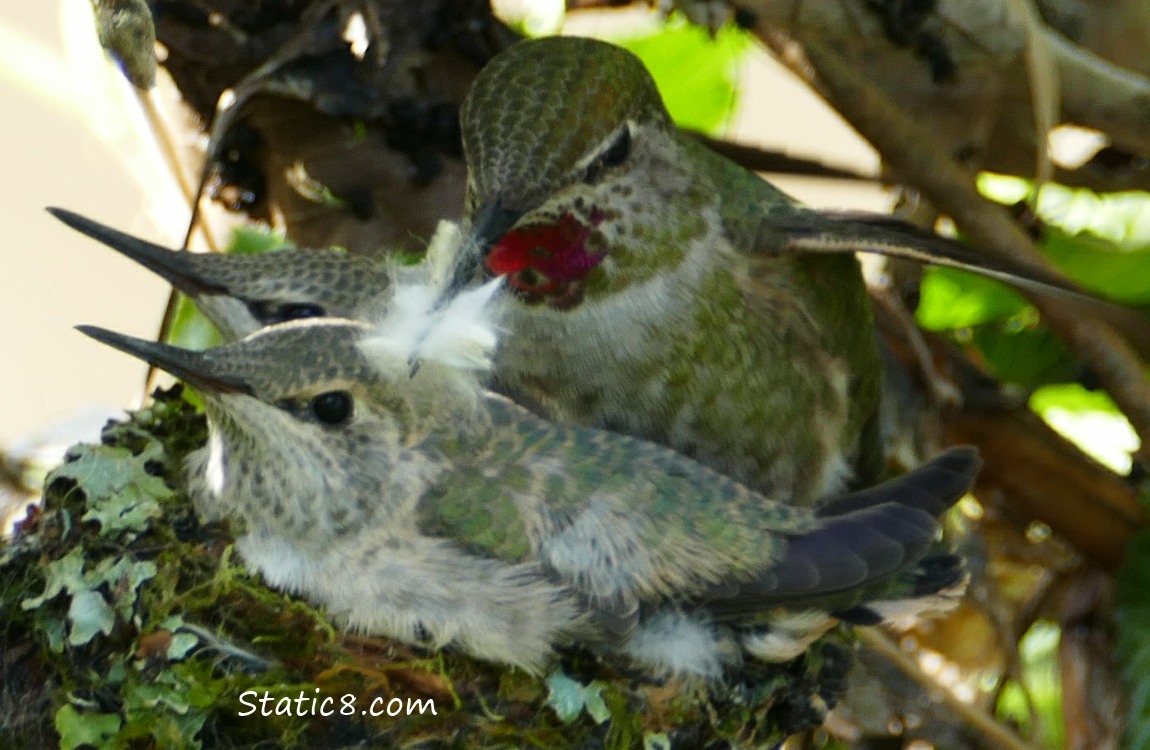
x: 1101, y: 241
x: 1090, y: 420
x: 250, y: 240
x: 1038, y: 653
x: 1073, y: 398
x: 956, y: 299
x: 1100, y: 265
x: 191, y: 329
x: 697, y: 73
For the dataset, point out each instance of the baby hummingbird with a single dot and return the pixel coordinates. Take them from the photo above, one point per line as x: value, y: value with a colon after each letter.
x: 420, y: 506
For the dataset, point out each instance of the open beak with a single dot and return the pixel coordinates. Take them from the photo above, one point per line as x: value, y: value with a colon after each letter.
x: 176, y: 267
x: 194, y: 368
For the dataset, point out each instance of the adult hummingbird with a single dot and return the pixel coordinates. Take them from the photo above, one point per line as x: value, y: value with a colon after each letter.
x: 420, y: 506
x: 663, y: 292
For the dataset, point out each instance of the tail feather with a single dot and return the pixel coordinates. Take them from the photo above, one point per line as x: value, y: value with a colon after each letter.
x: 932, y: 488
x: 872, y: 545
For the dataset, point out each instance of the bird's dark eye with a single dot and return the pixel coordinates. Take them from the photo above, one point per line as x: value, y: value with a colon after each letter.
x: 270, y: 313
x: 613, y: 156
x: 332, y: 408
x: 619, y: 149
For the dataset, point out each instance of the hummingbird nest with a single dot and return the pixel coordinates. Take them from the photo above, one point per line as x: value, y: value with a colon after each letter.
x: 128, y: 622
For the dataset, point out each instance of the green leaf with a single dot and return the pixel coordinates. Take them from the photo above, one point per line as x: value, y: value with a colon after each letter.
x: 568, y: 698
x: 65, y: 574
x: 1016, y: 347
x: 1027, y: 356
x: 696, y: 73
x: 89, y: 614
x: 1100, y: 265
x: 250, y: 240
x: 1101, y: 241
x: 1122, y: 218
x: 191, y: 329
x: 1072, y: 397
x: 1090, y: 420
x: 1042, y: 699
x: 565, y: 697
x: 957, y: 299
x: 78, y: 729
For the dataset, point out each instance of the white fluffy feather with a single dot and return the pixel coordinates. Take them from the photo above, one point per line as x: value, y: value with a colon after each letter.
x: 465, y: 333
x: 461, y: 334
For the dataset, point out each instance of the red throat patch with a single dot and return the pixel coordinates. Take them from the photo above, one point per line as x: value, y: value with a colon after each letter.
x: 547, y: 261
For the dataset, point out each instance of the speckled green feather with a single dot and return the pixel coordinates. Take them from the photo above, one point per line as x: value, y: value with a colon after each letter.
x: 664, y: 502
x: 529, y: 117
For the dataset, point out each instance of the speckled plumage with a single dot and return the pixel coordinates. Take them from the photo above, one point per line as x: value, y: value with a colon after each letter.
x: 441, y: 514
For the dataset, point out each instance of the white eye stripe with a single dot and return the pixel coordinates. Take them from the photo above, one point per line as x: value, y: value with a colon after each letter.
x: 620, y: 141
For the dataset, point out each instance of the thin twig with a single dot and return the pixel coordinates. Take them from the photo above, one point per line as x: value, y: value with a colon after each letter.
x: 179, y: 168
x: 168, y: 147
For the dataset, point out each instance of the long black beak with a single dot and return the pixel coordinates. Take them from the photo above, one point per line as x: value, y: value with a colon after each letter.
x: 190, y: 366
x: 176, y: 267
x: 491, y: 222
